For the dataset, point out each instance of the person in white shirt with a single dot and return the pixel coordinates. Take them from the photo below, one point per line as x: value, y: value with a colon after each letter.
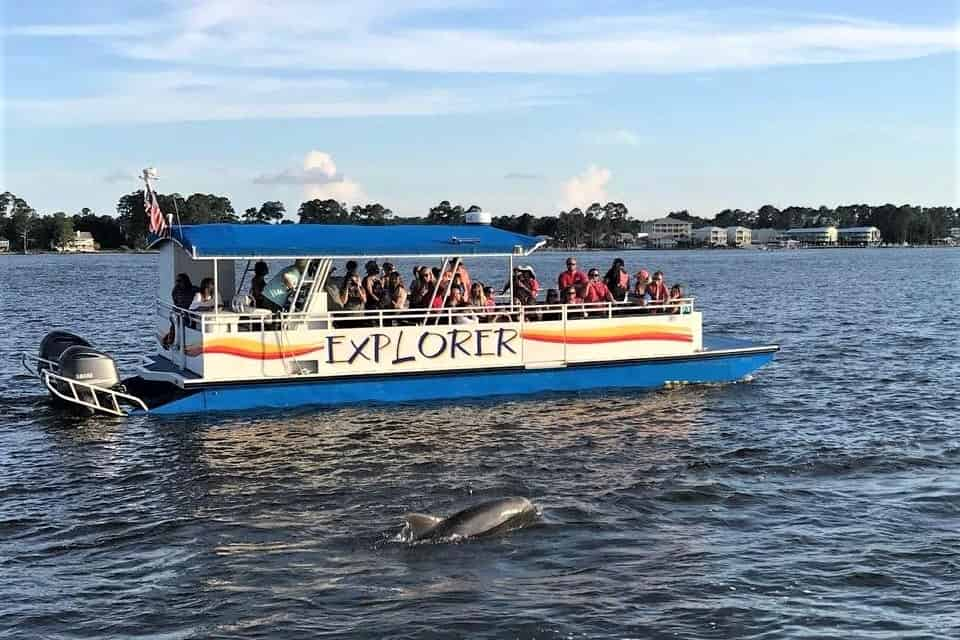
x: 206, y: 298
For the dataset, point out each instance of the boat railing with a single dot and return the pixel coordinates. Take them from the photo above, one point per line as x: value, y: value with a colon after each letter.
x: 260, y: 320
x: 88, y: 395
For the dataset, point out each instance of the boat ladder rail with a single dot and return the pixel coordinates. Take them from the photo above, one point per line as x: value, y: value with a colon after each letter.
x: 34, y: 364
x: 56, y: 384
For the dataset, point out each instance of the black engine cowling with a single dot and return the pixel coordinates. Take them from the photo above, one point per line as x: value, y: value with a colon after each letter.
x: 86, y: 364
x: 55, y: 343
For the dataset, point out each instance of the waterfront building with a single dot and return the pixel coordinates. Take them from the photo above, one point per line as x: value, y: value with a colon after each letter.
x: 766, y: 236
x: 954, y: 233
x: 666, y: 233
x: 710, y: 236
x: 621, y: 239
x: 868, y: 236
x: 738, y: 237
x: 4, y: 245
x: 82, y: 242
x: 814, y: 236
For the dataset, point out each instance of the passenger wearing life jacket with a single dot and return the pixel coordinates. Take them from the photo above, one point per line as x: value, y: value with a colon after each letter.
x: 657, y: 289
x: 572, y: 277
x: 596, y: 290
x: 618, y: 280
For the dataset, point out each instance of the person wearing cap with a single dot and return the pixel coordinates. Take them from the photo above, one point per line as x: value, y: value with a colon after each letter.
x: 596, y: 290
x: 641, y: 280
x: 572, y: 277
x: 525, y: 285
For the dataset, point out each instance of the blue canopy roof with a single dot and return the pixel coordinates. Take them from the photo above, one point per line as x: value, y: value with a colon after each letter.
x: 329, y: 240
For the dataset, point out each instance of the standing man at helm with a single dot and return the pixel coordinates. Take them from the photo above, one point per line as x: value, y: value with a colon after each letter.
x: 281, y: 286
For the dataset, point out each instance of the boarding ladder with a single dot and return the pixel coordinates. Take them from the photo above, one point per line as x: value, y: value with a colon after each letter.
x: 314, y: 275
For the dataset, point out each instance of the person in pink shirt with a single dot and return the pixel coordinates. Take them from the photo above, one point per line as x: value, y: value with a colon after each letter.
x: 572, y: 277
x: 596, y: 290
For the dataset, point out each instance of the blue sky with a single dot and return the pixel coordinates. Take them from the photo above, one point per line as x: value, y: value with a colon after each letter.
x: 514, y: 106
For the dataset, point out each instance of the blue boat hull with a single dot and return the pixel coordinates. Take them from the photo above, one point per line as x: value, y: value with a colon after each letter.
x: 730, y: 364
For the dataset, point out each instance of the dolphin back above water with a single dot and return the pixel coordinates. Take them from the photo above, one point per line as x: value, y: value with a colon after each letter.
x: 484, y: 519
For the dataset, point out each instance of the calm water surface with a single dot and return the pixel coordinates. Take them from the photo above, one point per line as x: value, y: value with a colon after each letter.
x: 821, y: 499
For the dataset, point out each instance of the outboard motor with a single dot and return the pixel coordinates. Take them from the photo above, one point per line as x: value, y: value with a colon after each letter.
x: 54, y: 344
x: 81, y: 377
x: 86, y: 364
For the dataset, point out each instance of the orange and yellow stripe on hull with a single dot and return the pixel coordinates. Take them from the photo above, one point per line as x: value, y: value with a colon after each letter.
x: 603, y: 335
x: 245, y: 348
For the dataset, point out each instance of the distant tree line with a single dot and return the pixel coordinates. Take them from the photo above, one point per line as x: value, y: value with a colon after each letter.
x: 594, y: 226
x: 903, y: 223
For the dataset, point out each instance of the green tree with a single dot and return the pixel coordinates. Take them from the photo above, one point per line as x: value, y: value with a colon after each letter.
x: 323, y: 212
x: 205, y: 208
x: 268, y: 212
x: 445, y: 213
x: 370, y: 214
x: 133, y: 219
x: 61, y: 231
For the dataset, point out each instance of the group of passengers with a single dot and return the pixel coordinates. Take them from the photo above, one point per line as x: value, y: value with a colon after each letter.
x: 382, y: 287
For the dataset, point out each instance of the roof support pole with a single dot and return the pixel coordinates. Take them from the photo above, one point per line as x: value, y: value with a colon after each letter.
x: 510, y: 277
x: 216, y: 290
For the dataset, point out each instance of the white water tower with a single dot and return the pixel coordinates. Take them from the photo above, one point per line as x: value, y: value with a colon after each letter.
x: 478, y: 217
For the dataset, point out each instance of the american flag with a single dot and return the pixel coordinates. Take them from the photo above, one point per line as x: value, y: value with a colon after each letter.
x: 157, y: 223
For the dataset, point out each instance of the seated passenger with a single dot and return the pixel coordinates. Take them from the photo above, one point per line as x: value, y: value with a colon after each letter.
x: 387, y: 270
x: 458, y: 299
x: 282, y: 285
x: 553, y: 304
x: 572, y: 277
x: 182, y: 296
x: 618, y: 280
x: 596, y: 290
x: 640, y: 287
x: 397, y: 293
x: 477, y: 297
x: 259, y: 283
x: 206, y: 298
x: 570, y: 296
x: 352, y: 298
x: 183, y: 291
x: 525, y: 285
x: 676, y: 294
x: 372, y: 285
x: 491, y: 300
x: 657, y: 289
x: 423, y: 294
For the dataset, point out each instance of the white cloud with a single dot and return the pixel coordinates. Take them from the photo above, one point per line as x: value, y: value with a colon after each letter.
x: 379, y: 36
x: 243, y: 59
x: 585, y: 189
x: 320, y: 179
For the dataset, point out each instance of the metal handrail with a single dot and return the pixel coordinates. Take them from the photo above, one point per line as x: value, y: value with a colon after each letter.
x: 96, y: 405
x: 25, y: 357
x: 383, y: 317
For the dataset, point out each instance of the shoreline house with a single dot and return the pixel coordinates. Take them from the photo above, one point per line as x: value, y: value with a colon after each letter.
x: 82, y: 242
x: 738, y: 237
x: 814, y: 236
x: 4, y: 245
x: 860, y: 236
x: 667, y: 233
x: 710, y: 236
x: 768, y: 236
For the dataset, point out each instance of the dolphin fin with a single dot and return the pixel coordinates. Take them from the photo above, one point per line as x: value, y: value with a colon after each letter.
x: 420, y: 524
